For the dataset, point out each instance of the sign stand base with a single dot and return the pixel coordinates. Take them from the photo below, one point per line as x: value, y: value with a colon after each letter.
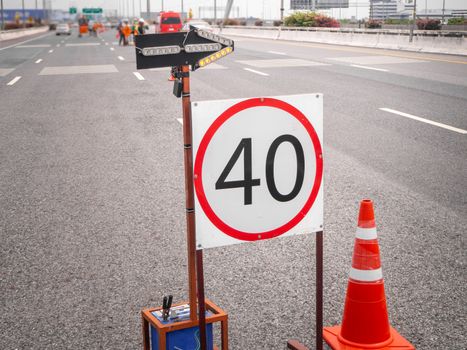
x: 166, y: 329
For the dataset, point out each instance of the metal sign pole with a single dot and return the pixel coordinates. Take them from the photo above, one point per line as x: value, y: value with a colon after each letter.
x: 189, y: 190
x: 201, y: 301
x: 195, y: 258
x: 319, y: 290
x: 293, y: 344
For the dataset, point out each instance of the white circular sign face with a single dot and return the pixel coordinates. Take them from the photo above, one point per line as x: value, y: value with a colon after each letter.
x: 258, y: 169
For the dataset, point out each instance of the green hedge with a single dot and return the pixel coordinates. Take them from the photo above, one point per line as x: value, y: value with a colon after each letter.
x: 310, y: 19
x: 457, y: 21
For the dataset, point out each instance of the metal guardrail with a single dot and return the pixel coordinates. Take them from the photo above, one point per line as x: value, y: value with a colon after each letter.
x: 428, y: 33
x: 438, y: 41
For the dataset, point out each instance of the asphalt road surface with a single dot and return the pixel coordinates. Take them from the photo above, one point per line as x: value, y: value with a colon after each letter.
x: 92, y: 223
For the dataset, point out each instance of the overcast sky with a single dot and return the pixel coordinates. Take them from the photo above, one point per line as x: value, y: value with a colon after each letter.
x: 269, y: 9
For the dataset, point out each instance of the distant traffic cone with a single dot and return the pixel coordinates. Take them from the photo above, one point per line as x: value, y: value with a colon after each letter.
x: 365, y: 324
x: 171, y: 77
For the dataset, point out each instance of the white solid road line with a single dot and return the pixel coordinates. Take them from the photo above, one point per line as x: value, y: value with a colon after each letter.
x: 138, y: 75
x: 278, y: 53
x: 121, y: 58
x: 180, y: 120
x: 14, y: 80
x: 50, y: 51
x: 423, y: 120
x: 39, y: 60
x: 256, y: 72
x: 370, y: 68
x: 23, y: 42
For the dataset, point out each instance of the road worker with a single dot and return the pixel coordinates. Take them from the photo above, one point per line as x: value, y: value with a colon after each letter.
x: 141, y: 29
x: 126, y: 30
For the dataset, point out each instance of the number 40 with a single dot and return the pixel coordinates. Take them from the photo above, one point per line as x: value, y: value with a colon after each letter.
x: 248, y: 182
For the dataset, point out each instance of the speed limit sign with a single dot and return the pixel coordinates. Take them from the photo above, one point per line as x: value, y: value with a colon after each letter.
x: 258, y: 168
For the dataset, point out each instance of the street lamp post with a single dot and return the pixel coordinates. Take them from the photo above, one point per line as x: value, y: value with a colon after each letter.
x: 412, y: 27
x: 24, y: 14
x: 282, y: 10
x: 45, y: 10
x: 215, y: 12
x: 3, y: 22
x: 442, y: 17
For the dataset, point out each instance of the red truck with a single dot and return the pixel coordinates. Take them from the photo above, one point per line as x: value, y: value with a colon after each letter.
x: 169, y: 22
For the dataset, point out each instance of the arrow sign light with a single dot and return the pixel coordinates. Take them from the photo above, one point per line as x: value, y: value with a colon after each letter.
x: 196, y: 47
x: 162, y: 50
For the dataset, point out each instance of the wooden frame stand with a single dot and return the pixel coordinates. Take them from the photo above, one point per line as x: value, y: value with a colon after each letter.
x: 201, y: 310
x: 148, y: 319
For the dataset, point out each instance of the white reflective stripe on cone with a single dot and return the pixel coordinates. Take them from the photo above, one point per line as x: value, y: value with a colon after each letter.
x: 366, y: 233
x: 366, y: 275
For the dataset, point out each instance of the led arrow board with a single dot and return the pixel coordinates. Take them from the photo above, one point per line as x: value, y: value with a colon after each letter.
x: 196, y: 48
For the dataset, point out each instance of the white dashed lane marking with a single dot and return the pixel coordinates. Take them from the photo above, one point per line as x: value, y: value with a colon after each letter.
x: 50, y: 51
x: 256, y: 72
x: 138, y: 75
x: 91, y: 69
x: 112, y: 49
x: 281, y: 62
x: 121, y: 58
x: 372, y: 60
x: 423, y: 120
x: 32, y: 46
x: 278, y: 53
x: 83, y: 44
x: 369, y: 68
x: 39, y: 60
x: 15, y: 79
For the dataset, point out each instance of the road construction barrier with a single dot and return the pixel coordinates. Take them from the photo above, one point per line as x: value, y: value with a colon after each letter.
x: 365, y: 323
x: 448, y: 42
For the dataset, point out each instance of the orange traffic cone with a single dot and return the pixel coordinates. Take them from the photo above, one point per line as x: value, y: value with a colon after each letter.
x: 365, y: 324
x: 171, y: 77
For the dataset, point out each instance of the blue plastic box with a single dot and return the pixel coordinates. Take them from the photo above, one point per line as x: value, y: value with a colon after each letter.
x: 183, y: 339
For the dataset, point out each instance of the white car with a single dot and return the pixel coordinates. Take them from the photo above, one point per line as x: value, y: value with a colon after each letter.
x: 198, y: 24
x: 63, y: 28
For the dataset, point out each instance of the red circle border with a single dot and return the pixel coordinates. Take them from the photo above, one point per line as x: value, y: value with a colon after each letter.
x: 198, y: 174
